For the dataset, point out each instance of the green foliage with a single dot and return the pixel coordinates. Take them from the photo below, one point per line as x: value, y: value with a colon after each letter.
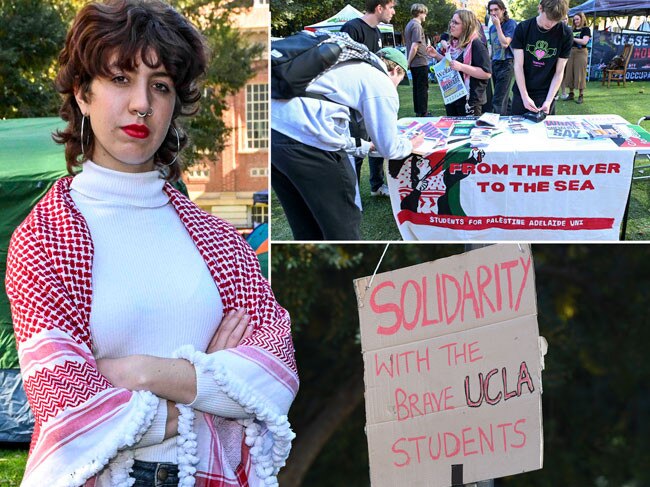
x: 232, y: 64
x: 314, y: 282
x: 522, y: 9
x: 31, y: 35
x: 289, y: 17
x: 592, y: 309
x: 437, y: 22
x: 12, y: 465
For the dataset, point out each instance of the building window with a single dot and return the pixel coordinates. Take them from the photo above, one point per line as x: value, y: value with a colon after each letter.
x: 258, y: 172
x: 258, y: 3
x: 257, y: 116
x: 259, y: 214
x: 199, y: 173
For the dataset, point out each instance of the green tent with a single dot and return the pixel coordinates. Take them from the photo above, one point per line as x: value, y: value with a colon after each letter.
x: 30, y: 163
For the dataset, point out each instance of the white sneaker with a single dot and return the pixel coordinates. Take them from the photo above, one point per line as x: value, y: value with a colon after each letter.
x: 381, y: 191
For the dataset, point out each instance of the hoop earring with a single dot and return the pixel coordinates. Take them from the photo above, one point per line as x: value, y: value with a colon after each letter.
x: 178, y: 148
x: 83, y: 122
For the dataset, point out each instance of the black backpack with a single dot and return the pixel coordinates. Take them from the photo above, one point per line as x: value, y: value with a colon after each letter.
x: 299, y: 59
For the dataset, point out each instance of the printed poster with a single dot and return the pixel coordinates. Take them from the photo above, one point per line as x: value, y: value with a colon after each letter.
x: 606, y: 45
x: 450, y: 81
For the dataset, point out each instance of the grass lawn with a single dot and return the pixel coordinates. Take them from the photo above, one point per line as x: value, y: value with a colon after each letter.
x: 631, y: 102
x: 12, y: 465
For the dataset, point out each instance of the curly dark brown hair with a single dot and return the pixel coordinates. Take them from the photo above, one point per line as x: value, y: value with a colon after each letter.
x: 118, y: 33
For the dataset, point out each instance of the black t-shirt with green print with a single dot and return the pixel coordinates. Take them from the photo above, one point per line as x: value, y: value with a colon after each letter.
x: 579, y: 34
x: 541, y: 52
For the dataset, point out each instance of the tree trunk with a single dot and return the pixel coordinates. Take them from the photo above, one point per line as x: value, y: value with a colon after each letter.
x: 310, y: 442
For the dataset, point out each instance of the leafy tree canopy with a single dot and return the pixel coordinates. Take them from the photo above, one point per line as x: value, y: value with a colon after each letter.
x: 32, y: 33
x: 291, y: 16
x: 522, y: 9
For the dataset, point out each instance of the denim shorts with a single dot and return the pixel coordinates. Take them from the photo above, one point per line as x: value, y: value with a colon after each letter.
x: 151, y: 474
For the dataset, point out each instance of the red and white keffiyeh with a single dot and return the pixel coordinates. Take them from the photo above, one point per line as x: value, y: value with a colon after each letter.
x: 466, y: 52
x: 83, y: 423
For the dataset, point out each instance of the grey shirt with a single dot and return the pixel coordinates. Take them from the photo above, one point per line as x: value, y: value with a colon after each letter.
x: 415, y: 33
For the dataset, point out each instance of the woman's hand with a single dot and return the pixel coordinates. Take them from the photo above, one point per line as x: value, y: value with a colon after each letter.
x: 233, y: 329
x: 172, y: 379
x: 457, y: 66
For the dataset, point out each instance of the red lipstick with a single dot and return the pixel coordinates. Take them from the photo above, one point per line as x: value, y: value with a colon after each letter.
x: 137, y: 131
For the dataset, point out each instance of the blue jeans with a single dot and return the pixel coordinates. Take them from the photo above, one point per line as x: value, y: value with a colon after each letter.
x: 151, y: 474
x: 376, y: 177
x: 502, y: 74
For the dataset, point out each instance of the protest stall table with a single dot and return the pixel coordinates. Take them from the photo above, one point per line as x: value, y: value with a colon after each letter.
x: 565, y: 178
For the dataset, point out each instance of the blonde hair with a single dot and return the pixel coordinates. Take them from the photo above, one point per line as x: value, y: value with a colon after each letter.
x: 555, y: 10
x: 390, y: 65
x: 469, y: 22
x: 419, y: 8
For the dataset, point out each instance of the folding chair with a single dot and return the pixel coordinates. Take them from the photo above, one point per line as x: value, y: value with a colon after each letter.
x: 618, y: 75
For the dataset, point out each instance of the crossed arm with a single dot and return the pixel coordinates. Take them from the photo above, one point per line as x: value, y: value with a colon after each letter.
x: 173, y: 379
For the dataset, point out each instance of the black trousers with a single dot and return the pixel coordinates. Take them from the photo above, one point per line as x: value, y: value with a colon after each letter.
x: 458, y: 108
x: 518, y: 104
x: 420, y: 75
x: 316, y: 189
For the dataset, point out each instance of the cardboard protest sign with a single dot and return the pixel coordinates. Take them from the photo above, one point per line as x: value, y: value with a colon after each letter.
x: 452, y: 369
x: 451, y: 82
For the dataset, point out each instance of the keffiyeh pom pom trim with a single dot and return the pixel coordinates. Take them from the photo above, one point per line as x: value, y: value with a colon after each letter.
x: 122, y: 462
x: 186, y: 447
x: 267, y: 459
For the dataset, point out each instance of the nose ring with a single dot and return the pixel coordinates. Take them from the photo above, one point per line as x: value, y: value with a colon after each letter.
x: 146, y: 114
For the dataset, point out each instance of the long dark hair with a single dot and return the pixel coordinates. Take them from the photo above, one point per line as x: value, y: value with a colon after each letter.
x: 501, y: 5
x: 120, y: 32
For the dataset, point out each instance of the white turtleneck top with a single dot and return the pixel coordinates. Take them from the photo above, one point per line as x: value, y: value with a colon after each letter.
x: 152, y: 291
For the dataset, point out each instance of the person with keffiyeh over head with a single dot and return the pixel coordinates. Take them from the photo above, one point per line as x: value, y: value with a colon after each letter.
x: 471, y: 58
x: 151, y: 348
